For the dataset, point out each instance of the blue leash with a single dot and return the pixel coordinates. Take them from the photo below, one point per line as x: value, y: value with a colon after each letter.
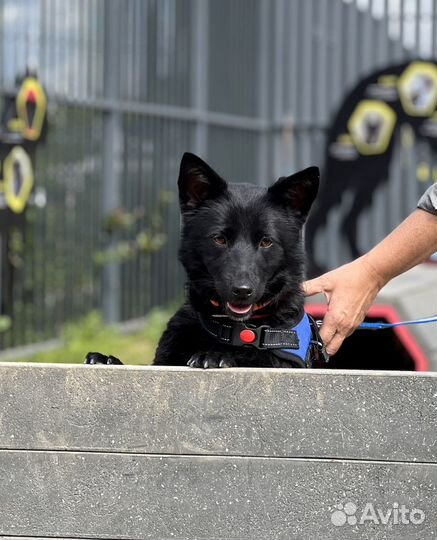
x: 382, y: 325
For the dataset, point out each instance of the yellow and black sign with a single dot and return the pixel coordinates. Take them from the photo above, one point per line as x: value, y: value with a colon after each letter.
x: 418, y: 88
x: 17, y: 179
x: 31, y: 106
x: 23, y: 126
x: 371, y: 126
x: 24, y: 115
x: 396, y: 105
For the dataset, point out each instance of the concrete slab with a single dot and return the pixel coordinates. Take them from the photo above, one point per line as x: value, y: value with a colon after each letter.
x: 135, y: 453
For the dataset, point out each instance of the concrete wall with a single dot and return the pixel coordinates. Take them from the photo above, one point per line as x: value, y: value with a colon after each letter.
x: 128, y: 452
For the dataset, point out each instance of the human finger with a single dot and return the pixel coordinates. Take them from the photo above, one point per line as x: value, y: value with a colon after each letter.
x: 312, y: 286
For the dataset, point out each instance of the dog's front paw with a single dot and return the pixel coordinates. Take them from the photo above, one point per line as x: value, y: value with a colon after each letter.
x: 94, y: 358
x: 211, y: 360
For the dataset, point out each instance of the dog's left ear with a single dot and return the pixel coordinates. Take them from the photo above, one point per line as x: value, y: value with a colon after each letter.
x: 297, y: 191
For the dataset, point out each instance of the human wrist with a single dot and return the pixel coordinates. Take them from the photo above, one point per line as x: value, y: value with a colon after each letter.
x: 378, y: 276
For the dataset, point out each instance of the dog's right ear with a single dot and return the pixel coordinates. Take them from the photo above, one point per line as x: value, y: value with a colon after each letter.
x: 197, y: 182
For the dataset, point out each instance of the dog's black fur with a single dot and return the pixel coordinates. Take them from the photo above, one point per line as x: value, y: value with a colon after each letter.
x: 241, y: 245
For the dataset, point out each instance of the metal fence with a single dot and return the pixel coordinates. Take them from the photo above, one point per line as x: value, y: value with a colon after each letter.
x: 248, y: 84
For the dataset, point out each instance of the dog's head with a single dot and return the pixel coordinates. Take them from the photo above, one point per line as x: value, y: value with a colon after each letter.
x: 241, y: 244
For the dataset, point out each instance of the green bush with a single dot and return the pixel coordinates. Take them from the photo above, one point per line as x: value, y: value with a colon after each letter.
x: 91, y: 334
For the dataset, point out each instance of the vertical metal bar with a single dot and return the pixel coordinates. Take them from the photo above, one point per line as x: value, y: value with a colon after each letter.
x: 112, y: 153
x: 402, y: 24
x: 383, y: 39
x: 294, y: 65
x: 428, y: 23
x: 308, y: 50
x: 199, y: 90
x: 278, y: 84
x: 263, y: 89
x: 75, y: 45
x: 128, y: 90
x: 323, y: 43
x: 142, y: 171
x: 433, y: 16
x: 65, y: 57
x: 416, y: 25
x: 307, y: 99
x: 144, y: 52
x: 351, y: 41
x: 139, y: 21
x: 278, y: 48
x: 335, y: 75
x: 90, y: 89
x: 392, y: 28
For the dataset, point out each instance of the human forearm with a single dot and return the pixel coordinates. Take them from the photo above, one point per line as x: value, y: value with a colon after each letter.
x: 413, y: 241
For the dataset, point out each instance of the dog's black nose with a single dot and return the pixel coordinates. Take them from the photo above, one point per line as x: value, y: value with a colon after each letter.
x: 243, y: 292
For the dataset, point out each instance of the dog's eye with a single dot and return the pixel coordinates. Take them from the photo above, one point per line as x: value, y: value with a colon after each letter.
x: 220, y: 240
x: 265, y: 242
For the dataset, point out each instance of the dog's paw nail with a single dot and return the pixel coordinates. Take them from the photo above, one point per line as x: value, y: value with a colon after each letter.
x: 227, y: 363
x: 195, y: 362
x: 114, y: 361
x: 206, y: 364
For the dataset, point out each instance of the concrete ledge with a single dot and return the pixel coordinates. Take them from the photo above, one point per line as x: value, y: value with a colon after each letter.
x: 129, y: 452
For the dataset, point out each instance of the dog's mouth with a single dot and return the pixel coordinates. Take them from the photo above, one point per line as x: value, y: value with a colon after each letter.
x: 240, y: 311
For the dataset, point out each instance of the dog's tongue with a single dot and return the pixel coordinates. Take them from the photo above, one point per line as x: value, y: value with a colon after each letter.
x: 240, y: 310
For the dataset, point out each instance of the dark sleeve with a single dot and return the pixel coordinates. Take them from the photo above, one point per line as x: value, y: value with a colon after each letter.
x: 428, y: 201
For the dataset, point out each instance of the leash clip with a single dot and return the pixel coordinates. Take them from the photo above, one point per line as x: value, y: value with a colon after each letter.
x: 321, y: 350
x: 317, y: 342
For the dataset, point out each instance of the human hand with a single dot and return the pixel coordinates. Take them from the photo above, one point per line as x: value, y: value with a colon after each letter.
x: 349, y: 290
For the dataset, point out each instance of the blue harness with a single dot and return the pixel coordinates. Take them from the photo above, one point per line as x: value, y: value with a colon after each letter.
x: 302, y: 354
x: 298, y: 345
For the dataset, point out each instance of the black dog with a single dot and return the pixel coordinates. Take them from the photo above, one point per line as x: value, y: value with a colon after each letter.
x: 242, y: 250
